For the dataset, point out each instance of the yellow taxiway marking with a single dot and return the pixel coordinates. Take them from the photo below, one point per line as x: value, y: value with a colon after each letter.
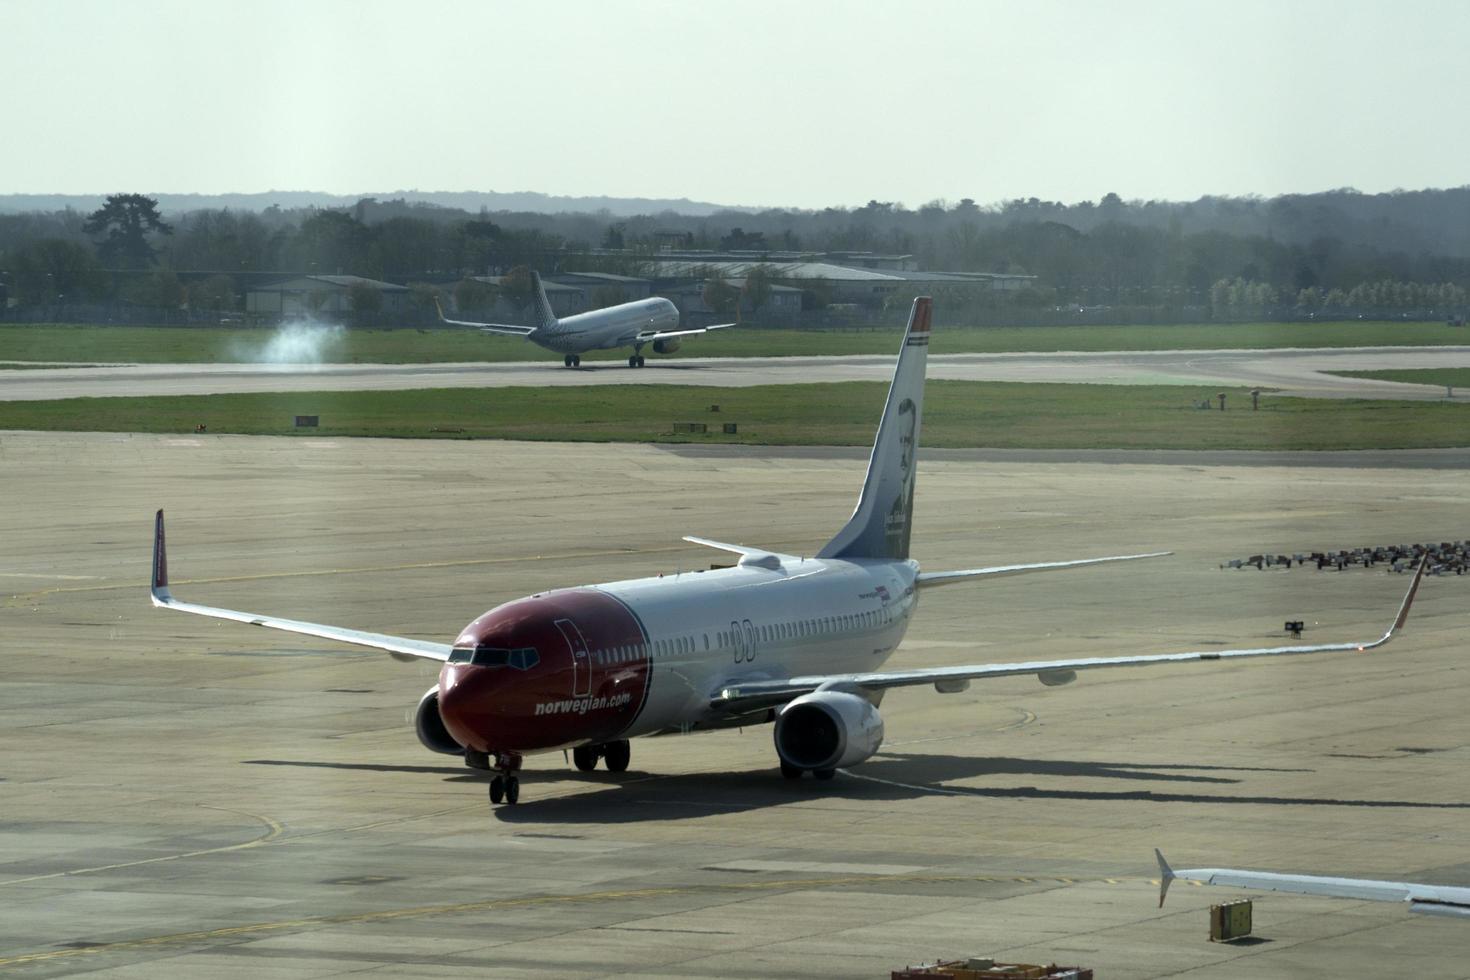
x: 500, y: 904
x: 273, y: 831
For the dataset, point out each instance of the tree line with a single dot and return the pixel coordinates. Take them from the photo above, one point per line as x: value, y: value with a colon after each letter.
x: 1338, y: 253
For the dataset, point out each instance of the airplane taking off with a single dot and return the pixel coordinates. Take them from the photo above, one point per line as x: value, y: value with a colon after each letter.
x: 775, y: 638
x: 645, y: 321
x: 1446, y: 900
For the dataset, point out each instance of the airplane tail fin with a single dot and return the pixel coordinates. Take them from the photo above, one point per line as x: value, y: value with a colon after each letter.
x: 880, y: 526
x: 541, y: 315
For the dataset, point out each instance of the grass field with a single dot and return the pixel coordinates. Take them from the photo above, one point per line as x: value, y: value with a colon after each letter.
x: 120, y: 344
x: 957, y: 414
x: 1455, y: 377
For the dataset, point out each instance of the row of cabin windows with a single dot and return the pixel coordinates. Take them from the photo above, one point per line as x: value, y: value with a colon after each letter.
x: 659, y: 649
x: 802, y: 628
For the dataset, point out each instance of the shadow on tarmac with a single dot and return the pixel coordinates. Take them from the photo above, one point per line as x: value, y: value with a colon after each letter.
x: 637, y: 796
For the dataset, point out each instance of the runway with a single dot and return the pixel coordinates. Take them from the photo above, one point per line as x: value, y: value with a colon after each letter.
x: 1301, y: 372
x: 188, y: 798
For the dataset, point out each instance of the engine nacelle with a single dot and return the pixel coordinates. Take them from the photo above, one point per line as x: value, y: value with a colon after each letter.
x: 666, y: 346
x: 827, y: 730
x: 429, y: 726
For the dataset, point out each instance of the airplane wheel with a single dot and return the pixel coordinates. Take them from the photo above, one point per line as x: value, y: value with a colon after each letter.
x: 633, y: 361
x: 497, y: 789
x: 640, y: 360
x: 584, y: 757
x: 576, y: 360
x: 512, y: 790
x: 790, y: 771
x: 617, y: 755
x: 824, y: 773
x: 567, y: 361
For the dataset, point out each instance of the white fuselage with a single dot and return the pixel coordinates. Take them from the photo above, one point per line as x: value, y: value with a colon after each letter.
x: 615, y: 326
x: 723, y: 627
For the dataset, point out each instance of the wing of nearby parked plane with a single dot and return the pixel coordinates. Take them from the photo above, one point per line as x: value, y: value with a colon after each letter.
x: 400, y: 647
x: 743, y: 696
x: 1425, y: 899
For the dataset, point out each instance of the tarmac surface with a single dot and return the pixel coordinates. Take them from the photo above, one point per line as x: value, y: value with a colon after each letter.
x: 184, y: 798
x: 1301, y: 372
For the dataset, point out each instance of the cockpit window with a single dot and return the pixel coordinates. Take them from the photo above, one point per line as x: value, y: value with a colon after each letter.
x: 523, y: 658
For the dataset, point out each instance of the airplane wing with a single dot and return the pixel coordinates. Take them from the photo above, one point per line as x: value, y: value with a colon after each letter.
x: 402, y: 648
x: 508, y: 329
x: 947, y: 578
x: 749, y: 695
x: 648, y: 336
x: 1425, y: 899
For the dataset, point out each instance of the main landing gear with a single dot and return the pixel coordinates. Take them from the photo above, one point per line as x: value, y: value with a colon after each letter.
x: 792, y: 772
x: 572, y: 360
x: 635, y: 361
x: 615, y: 755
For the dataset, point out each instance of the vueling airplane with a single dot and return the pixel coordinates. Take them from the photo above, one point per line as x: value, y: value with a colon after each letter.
x: 637, y: 324
x: 775, y: 638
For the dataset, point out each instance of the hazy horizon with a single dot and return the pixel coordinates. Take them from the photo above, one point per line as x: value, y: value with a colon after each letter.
x: 822, y: 104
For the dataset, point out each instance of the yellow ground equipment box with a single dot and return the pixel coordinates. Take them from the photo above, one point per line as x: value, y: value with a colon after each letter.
x: 1230, y: 921
x: 978, y: 968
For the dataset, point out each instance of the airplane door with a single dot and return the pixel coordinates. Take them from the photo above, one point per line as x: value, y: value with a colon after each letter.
x: 581, y: 660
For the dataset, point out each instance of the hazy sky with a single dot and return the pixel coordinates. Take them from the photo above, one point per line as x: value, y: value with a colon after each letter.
x: 803, y: 104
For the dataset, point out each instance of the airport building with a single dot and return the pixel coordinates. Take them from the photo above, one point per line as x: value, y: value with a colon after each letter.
x: 330, y: 295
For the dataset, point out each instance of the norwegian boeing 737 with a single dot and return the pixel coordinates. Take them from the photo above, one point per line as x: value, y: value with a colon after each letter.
x: 775, y: 638
x: 637, y: 324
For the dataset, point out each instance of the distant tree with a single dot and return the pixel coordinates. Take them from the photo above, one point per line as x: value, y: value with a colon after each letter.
x: 613, y: 237
x: 474, y: 296
x: 758, y: 286
x: 604, y: 296
x: 366, y: 300
x: 50, y: 269
x: 213, y: 293
x: 159, y: 288
x: 720, y: 296
x: 422, y: 296
x: 333, y: 242
x: 742, y: 241
x: 815, y: 293
x: 515, y: 286
x: 126, y: 221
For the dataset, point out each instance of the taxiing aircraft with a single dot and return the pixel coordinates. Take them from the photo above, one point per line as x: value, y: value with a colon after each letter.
x: 1446, y: 900
x: 637, y: 324
x: 780, y: 638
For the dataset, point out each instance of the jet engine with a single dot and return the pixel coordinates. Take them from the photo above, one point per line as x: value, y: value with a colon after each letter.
x: 666, y: 346
x: 430, y: 727
x: 826, y: 730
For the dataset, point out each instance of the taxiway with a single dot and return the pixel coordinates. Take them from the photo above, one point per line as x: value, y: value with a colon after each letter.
x: 188, y: 798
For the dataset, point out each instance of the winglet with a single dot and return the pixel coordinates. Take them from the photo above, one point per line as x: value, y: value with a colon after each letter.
x: 439, y: 307
x: 1403, y: 616
x: 159, y: 586
x: 1166, y: 875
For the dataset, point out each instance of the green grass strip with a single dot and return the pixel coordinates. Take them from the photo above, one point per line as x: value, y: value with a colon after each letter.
x: 126, y: 344
x: 957, y: 414
x: 1454, y: 377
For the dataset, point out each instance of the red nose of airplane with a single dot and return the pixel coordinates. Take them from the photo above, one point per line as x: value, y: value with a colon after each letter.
x: 544, y: 672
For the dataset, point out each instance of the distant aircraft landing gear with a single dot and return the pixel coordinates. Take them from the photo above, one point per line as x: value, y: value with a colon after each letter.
x: 572, y: 360
x: 505, y: 786
x: 636, y: 361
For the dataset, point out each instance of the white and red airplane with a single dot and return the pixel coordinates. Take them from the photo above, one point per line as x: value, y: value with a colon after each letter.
x: 776, y: 638
x: 637, y: 324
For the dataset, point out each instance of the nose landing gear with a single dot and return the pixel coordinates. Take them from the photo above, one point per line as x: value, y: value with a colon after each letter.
x: 505, y: 786
x: 572, y: 360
